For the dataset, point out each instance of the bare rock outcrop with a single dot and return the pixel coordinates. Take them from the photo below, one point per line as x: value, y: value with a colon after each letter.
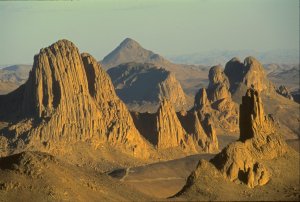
x: 69, y: 98
x: 169, y: 130
x: 242, y: 160
x: 171, y: 89
x: 144, y: 84
x: 3, y: 146
x: 250, y: 73
x: 254, y: 74
x: 218, y: 87
x: 224, y: 109
x: 185, y: 130
x: 235, y: 71
x: 201, y: 101
x: 201, y: 129
x: 282, y: 90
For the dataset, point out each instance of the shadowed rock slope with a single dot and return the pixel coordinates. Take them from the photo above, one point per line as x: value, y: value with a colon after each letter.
x: 249, y: 73
x: 184, y: 130
x: 68, y: 98
x: 142, y: 86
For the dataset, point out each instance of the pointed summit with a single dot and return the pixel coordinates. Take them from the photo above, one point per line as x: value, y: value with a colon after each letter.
x: 131, y: 51
x: 129, y: 43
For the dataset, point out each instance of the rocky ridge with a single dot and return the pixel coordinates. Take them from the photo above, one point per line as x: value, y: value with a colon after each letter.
x: 69, y: 98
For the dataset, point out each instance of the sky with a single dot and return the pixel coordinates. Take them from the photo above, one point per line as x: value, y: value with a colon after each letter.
x: 167, y: 27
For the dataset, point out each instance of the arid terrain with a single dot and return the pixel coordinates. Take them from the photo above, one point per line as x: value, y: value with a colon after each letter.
x: 137, y: 127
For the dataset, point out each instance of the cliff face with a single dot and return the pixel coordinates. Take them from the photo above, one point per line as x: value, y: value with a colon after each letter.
x: 69, y: 98
x: 218, y: 87
x: 241, y: 160
x: 250, y: 73
x: 146, y: 84
x: 169, y: 130
x: 171, y: 89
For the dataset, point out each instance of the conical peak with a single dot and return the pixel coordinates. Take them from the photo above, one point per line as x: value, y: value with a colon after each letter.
x: 129, y: 43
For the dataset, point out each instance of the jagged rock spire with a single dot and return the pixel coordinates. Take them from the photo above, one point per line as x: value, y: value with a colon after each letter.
x: 69, y: 98
x: 169, y: 130
x: 240, y: 160
x: 251, y: 114
x: 201, y: 99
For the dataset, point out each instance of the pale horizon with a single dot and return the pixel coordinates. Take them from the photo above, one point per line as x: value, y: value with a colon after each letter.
x: 165, y: 27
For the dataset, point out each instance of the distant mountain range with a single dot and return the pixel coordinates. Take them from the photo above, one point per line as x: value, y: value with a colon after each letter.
x: 221, y: 57
x: 13, y: 76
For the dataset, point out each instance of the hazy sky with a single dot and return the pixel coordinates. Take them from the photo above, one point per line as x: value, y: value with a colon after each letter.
x: 164, y: 26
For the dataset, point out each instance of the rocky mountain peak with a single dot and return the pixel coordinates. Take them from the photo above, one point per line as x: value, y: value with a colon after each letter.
x: 129, y: 43
x: 69, y: 98
x: 131, y: 51
x: 54, y: 68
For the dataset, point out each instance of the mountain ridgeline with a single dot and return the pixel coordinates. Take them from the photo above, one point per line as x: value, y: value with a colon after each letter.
x: 68, y: 98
